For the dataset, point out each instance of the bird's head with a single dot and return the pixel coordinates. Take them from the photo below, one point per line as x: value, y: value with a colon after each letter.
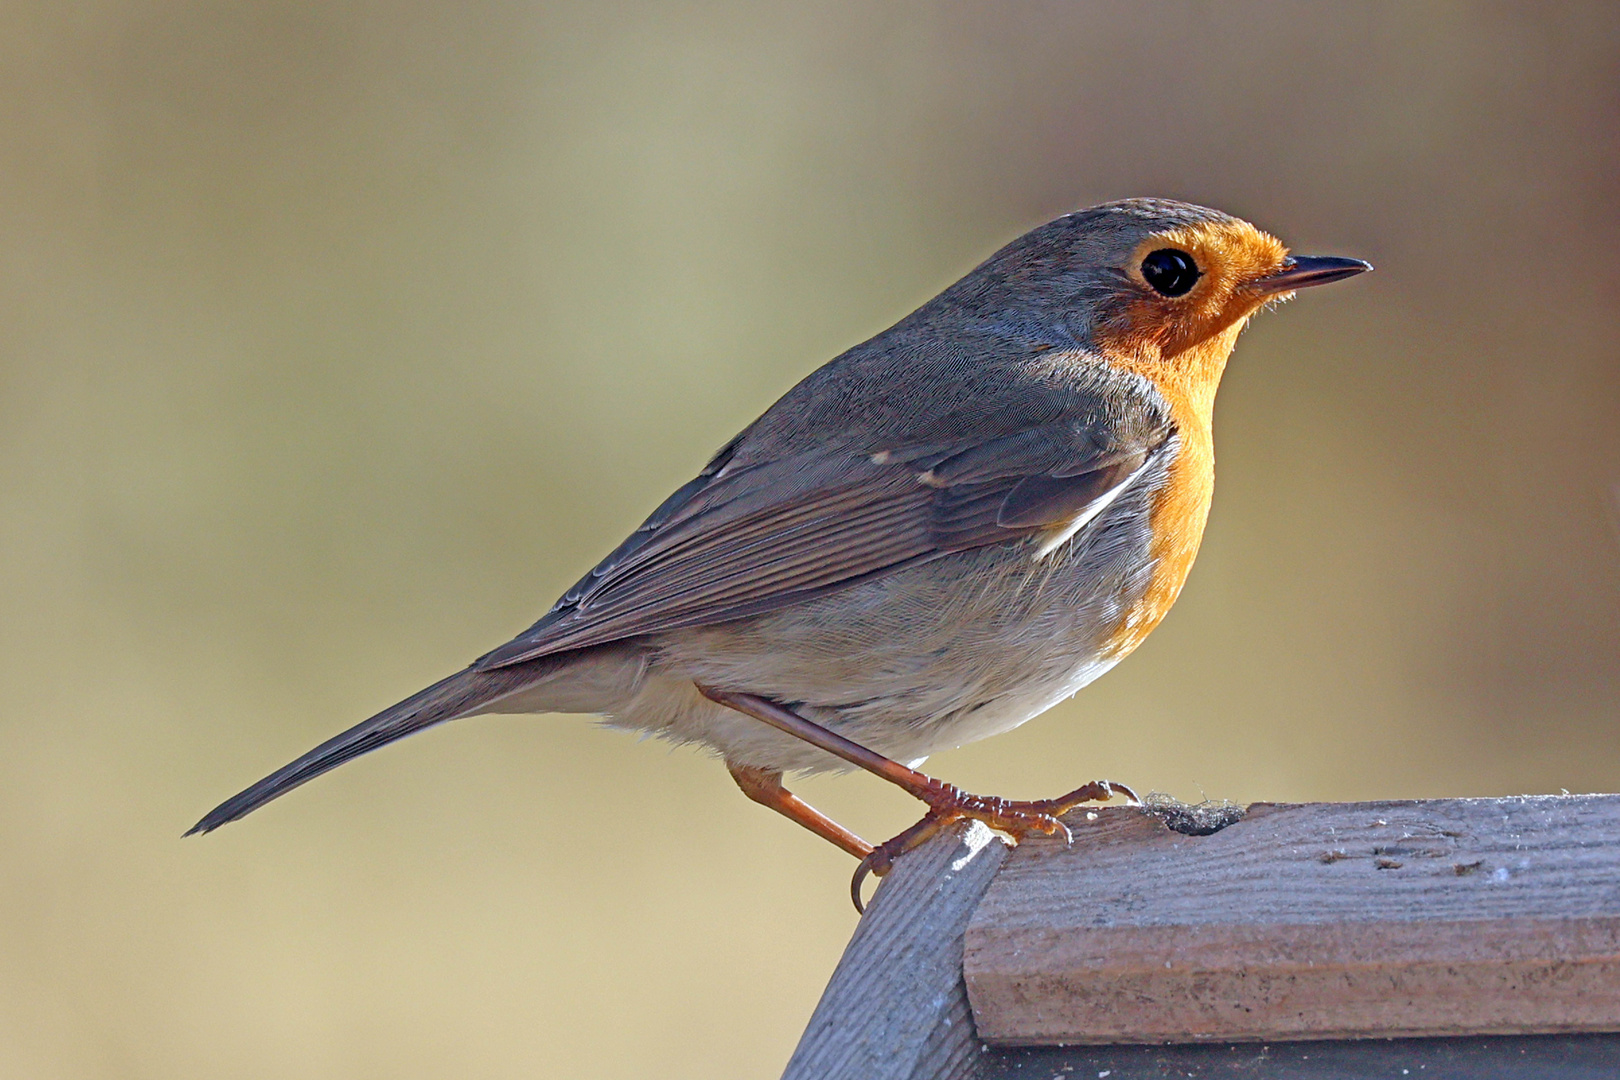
x: 1158, y: 286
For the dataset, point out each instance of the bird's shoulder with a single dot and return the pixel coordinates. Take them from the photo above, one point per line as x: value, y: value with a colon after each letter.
x: 918, y: 387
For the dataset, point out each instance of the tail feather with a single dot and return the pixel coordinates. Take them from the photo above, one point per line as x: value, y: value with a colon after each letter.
x: 460, y: 695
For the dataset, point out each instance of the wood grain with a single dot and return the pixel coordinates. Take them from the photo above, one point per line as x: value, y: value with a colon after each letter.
x: 1462, y: 916
x: 896, y: 1007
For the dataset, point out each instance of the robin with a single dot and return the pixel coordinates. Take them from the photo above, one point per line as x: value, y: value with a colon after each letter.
x: 931, y: 539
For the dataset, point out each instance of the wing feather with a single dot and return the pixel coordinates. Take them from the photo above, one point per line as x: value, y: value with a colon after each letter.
x: 742, y: 541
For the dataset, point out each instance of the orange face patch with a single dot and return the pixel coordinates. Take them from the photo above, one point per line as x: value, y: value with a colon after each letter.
x: 1231, y: 257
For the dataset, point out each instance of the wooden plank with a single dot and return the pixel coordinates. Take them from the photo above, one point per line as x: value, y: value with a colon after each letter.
x: 1488, y: 1057
x: 896, y: 1008
x: 1445, y: 917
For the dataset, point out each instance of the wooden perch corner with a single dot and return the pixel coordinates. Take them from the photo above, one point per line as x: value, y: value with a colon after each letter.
x: 1455, y: 918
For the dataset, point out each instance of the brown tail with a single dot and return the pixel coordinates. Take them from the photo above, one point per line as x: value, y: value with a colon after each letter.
x: 460, y: 695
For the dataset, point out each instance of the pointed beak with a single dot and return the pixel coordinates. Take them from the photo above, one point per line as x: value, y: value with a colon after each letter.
x: 1303, y: 271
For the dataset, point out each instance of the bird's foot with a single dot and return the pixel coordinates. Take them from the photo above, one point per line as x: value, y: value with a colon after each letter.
x: 948, y: 804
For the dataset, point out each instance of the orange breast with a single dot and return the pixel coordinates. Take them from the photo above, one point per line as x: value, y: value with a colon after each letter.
x: 1177, y: 521
x: 1181, y: 507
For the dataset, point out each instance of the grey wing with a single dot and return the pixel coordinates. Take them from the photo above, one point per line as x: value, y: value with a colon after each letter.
x: 734, y: 543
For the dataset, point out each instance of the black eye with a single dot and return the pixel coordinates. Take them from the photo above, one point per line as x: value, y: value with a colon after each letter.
x: 1170, y: 271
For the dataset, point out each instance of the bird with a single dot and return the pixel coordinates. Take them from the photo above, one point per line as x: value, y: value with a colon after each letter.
x: 929, y: 540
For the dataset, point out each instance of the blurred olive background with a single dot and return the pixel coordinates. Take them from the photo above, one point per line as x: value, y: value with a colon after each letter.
x: 337, y: 339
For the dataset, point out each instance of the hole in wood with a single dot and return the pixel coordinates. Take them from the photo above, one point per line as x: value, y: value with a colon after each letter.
x: 1192, y: 819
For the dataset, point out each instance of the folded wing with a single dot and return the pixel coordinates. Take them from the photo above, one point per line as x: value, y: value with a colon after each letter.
x: 742, y: 541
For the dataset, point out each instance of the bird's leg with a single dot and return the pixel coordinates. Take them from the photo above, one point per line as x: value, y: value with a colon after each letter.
x: 947, y: 803
x: 784, y: 719
x: 764, y: 786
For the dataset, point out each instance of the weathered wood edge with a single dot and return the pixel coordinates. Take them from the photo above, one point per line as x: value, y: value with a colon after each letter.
x: 896, y: 1007
x: 1437, y: 917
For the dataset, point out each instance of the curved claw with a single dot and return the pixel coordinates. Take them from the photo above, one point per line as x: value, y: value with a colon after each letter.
x: 1131, y: 797
x: 866, y: 867
x: 880, y: 860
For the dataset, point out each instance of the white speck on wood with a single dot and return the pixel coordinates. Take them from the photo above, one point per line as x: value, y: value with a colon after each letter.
x: 896, y: 1008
